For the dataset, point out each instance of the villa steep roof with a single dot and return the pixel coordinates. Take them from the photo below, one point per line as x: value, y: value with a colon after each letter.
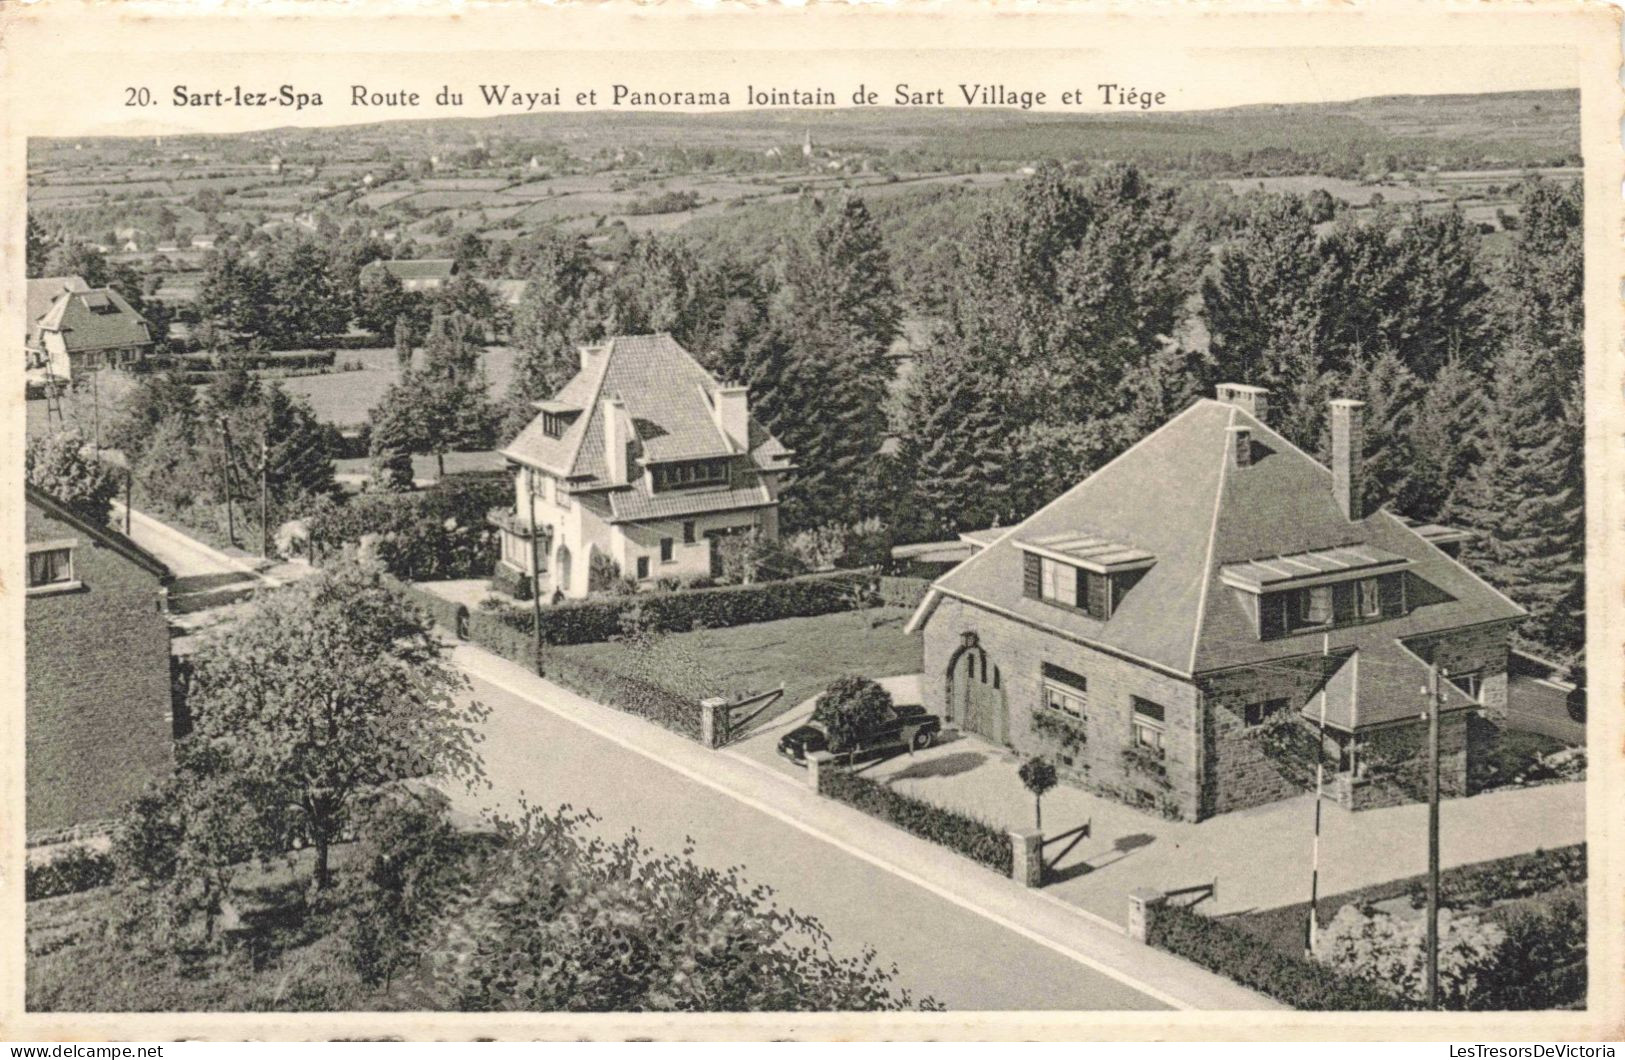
x: 1179, y: 497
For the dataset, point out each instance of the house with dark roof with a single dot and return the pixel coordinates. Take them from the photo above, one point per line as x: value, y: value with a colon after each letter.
x: 418, y: 274
x: 86, y: 328
x: 643, y: 457
x: 1170, y: 627
x: 98, y: 706
x: 42, y: 294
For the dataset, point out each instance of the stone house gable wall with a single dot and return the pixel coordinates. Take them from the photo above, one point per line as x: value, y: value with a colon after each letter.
x: 1239, y: 773
x: 98, y: 712
x: 1098, y: 762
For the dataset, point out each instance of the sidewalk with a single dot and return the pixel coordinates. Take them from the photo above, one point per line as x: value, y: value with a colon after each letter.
x: 1260, y: 857
x: 1064, y: 928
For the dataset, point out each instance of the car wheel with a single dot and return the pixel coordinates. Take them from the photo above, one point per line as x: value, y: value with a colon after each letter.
x: 923, y: 739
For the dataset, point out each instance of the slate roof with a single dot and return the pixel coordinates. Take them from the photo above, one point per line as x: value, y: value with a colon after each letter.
x: 668, y: 397
x: 1379, y: 684
x: 1178, y: 495
x: 42, y: 293
x: 95, y: 319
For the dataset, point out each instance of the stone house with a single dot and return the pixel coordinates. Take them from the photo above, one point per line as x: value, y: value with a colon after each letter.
x: 643, y: 457
x: 98, y: 709
x: 1182, y: 627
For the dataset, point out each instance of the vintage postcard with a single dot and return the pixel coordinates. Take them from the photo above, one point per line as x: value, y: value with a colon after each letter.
x: 826, y: 522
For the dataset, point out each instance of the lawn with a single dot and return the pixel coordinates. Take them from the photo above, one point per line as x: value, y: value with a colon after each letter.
x: 802, y: 654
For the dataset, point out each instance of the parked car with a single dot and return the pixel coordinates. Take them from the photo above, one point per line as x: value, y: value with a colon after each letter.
x: 909, y: 727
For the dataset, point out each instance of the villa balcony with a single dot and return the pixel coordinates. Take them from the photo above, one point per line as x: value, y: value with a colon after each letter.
x: 510, y: 522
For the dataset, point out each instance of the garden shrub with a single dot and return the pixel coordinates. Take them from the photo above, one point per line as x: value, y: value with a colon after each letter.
x: 1542, y: 963
x: 510, y: 582
x: 79, y: 868
x: 433, y: 535
x: 1250, y: 960
x: 1392, y: 950
x: 959, y: 832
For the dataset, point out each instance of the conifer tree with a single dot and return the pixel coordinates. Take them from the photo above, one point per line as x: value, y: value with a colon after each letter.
x: 1522, y: 498
x: 1442, y: 439
x: 956, y: 447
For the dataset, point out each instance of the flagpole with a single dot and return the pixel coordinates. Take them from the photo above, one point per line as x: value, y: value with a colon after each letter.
x: 1320, y: 787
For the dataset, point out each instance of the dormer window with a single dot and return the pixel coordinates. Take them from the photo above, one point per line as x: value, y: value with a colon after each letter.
x: 1080, y: 572
x: 556, y: 417
x: 1315, y: 606
x: 553, y: 424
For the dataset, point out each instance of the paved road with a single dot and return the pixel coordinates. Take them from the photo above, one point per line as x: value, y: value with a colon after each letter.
x: 942, y: 949
x: 953, y: 954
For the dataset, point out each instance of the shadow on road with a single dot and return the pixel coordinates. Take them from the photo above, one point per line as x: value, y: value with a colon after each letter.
x: 1122, y: 847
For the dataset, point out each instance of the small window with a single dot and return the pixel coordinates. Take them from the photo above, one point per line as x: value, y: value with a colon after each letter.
x: 1472, y: 684
x: 1065, y: 691
x: 50, y: 566
x: 1369, y: 593
x: 688, y: 532
x: 643, y: 567
x: 665, y: 549
x: 996, y: 678
x: 1059, y: 582
x: 1148, y: 724
x: 1256, y: 714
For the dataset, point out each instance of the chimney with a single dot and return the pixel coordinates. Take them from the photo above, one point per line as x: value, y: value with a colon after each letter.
x: 1348, y: 456
x: 1254, y: 399
x: 731, y: 408
x: 1241, y: 445
x: 587, y: 354
x: 617, y: 437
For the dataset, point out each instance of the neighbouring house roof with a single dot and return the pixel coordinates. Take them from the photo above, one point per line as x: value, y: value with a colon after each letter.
x: 103, y: 535
x: 417, y: 269
x: 43, y: 292
x: 1178, y: 497
x: 95, y: 319
x: 668, y: 397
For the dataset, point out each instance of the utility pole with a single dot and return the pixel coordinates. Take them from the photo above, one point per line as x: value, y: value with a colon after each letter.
x: 1320, y: 787
x: 96, y: 405
x: 1435, y: 694
x: 225, y: 472
x: 535, y: 577
x: 265, y: 464
x: 129, y: 490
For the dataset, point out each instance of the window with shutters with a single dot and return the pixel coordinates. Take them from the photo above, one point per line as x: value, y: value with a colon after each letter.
x: 665, y: 550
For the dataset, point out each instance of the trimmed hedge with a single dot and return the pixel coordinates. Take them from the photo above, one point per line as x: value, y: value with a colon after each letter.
x: 630, y: 694
x: 76, y: 869
x: 587, y: 621
x: 1238, y: 954
x: 903, y: 592
x: 959, y: 832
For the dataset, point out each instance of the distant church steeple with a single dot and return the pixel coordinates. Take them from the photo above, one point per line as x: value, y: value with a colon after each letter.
x: 806, y: 145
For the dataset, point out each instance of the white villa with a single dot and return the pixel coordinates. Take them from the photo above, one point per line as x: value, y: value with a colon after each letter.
x: 643, y: 457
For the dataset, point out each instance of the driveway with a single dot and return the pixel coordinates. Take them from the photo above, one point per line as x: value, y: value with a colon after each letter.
x: 1259, y: 858
x: 761, y: 746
